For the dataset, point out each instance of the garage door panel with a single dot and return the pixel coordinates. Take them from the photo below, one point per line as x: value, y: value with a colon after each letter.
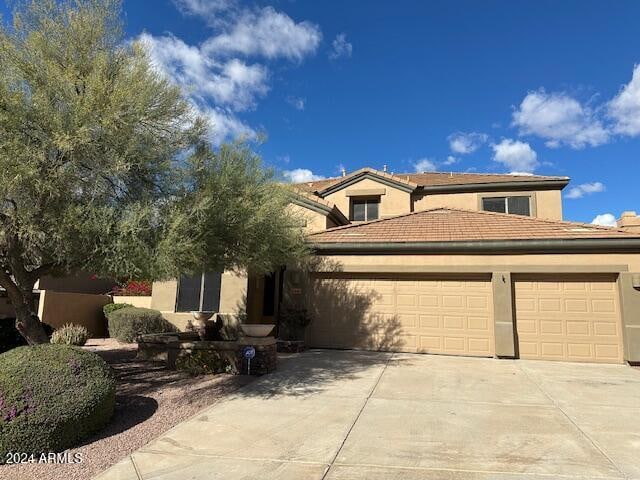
x: 478, y: 323
x: 599, y: 305
x: 576, y: 320
x: 418, y: 315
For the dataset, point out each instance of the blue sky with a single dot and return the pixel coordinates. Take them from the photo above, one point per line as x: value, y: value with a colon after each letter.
x: 493, y: 86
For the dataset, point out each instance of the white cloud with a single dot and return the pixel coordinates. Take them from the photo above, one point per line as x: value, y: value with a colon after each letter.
x: 605, y: 220
x: 624, y: 109
x: 297, y: 102
x: 215, y: 77
x: 301, y: 175
x: 464, y: 143
x: 268, y: 33
x: 560, y: 120
x: 340, y: 47
x: 203, y: 8
x: 450, y: 160
x: 516, y: 155
x: 231, y: 83
x: 580, y: 191
x: 424, y: 165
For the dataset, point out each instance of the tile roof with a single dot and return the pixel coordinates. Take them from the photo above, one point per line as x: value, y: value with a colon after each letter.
x: 426, y: 179
x: 450, y: 225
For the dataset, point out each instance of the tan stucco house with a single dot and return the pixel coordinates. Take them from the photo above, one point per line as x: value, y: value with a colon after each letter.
x: 449, y: 263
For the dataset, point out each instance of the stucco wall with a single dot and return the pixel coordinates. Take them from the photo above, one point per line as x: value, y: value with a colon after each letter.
x: 584, y: 262
x: 393, y: 202
x: 233, y: 292
x: 546, y: 204
x: 313, y: 221
x: 136, y: 301
x: 60, y: 308
x: 163, y: 295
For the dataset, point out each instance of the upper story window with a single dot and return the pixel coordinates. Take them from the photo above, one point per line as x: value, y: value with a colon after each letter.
x: 364, y: 209
x: 520, y: 205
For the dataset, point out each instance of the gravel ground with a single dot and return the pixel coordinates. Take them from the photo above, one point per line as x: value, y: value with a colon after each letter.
x: 149, y: 401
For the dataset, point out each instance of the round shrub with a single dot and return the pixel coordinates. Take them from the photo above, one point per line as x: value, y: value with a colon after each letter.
x: 52, y: 397
x: 112, y: 307
x: 127, y: 323
x: 70, y: 334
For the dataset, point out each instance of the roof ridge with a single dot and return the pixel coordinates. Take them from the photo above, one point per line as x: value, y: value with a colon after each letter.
x: 480, y: 212
x: 373, y: 171
x: 483, y: 173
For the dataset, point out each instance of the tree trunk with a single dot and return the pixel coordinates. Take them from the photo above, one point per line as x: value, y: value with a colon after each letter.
x: 27, y: 321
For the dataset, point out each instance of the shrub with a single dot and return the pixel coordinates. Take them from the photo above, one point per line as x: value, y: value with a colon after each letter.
x: 10, y: 336
x: 70, y: 334
x: 293, y: 322
x: 127, y: 323
x: 204, y: 362
x: 140, y: 288
x: 52, y: 397
x: 112, y: 307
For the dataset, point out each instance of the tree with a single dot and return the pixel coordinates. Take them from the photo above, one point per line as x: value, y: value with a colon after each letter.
x: 105, y: 167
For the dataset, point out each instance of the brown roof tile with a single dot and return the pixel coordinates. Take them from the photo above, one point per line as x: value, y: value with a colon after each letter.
x: 447, y: 224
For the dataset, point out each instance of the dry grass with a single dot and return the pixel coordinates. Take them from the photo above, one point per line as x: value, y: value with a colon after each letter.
x: 150, y: 400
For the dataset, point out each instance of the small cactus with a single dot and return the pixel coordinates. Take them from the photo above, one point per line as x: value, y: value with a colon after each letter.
x: 70, y: 334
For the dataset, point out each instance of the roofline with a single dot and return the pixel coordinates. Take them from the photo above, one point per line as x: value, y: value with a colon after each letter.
x: 333, y: 213
x: 406, y: 186
x: 492, y: 186
x: 574, y: 245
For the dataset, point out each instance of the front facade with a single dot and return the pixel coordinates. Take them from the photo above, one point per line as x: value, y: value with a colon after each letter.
x: 464, y: 264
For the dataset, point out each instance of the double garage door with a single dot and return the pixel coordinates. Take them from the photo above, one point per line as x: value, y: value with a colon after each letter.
x: 429, y: 315
x: 556, y: 318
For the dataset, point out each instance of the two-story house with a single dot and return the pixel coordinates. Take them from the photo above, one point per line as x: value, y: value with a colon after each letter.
x: 452, y: 263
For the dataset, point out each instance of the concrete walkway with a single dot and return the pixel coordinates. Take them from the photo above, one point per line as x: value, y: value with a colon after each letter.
x: 340, y: 415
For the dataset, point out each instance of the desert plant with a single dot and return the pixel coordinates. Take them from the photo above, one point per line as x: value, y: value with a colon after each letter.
x: 127, y: 323
x: 292, y: 323
x: 204, y: 362
x: 52, y: 397
x: 112, y: 307
x: 70, y: 334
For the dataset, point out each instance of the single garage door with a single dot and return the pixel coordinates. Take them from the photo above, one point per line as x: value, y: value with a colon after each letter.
x: 428, y: 315
x: 569, y: 318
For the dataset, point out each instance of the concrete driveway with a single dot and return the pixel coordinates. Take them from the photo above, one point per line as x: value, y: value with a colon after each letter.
x: 339, y: 415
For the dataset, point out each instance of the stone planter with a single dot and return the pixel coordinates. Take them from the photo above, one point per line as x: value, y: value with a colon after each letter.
x: 170, y: 347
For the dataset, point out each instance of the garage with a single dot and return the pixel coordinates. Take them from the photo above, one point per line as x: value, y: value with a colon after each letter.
x: 573, y: 318
x: 446, y: 315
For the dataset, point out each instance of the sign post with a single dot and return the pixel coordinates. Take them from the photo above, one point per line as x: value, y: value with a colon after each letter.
x: 249, y: 352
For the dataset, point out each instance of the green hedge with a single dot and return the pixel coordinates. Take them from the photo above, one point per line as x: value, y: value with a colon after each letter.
x: 127, y: 323
x: 52, y: 397
x: 112, y: 307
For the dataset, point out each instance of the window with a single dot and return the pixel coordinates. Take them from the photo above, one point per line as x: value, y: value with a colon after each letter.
x: 199, y: 292
x: 516, y: 205
x: 363, y: 209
